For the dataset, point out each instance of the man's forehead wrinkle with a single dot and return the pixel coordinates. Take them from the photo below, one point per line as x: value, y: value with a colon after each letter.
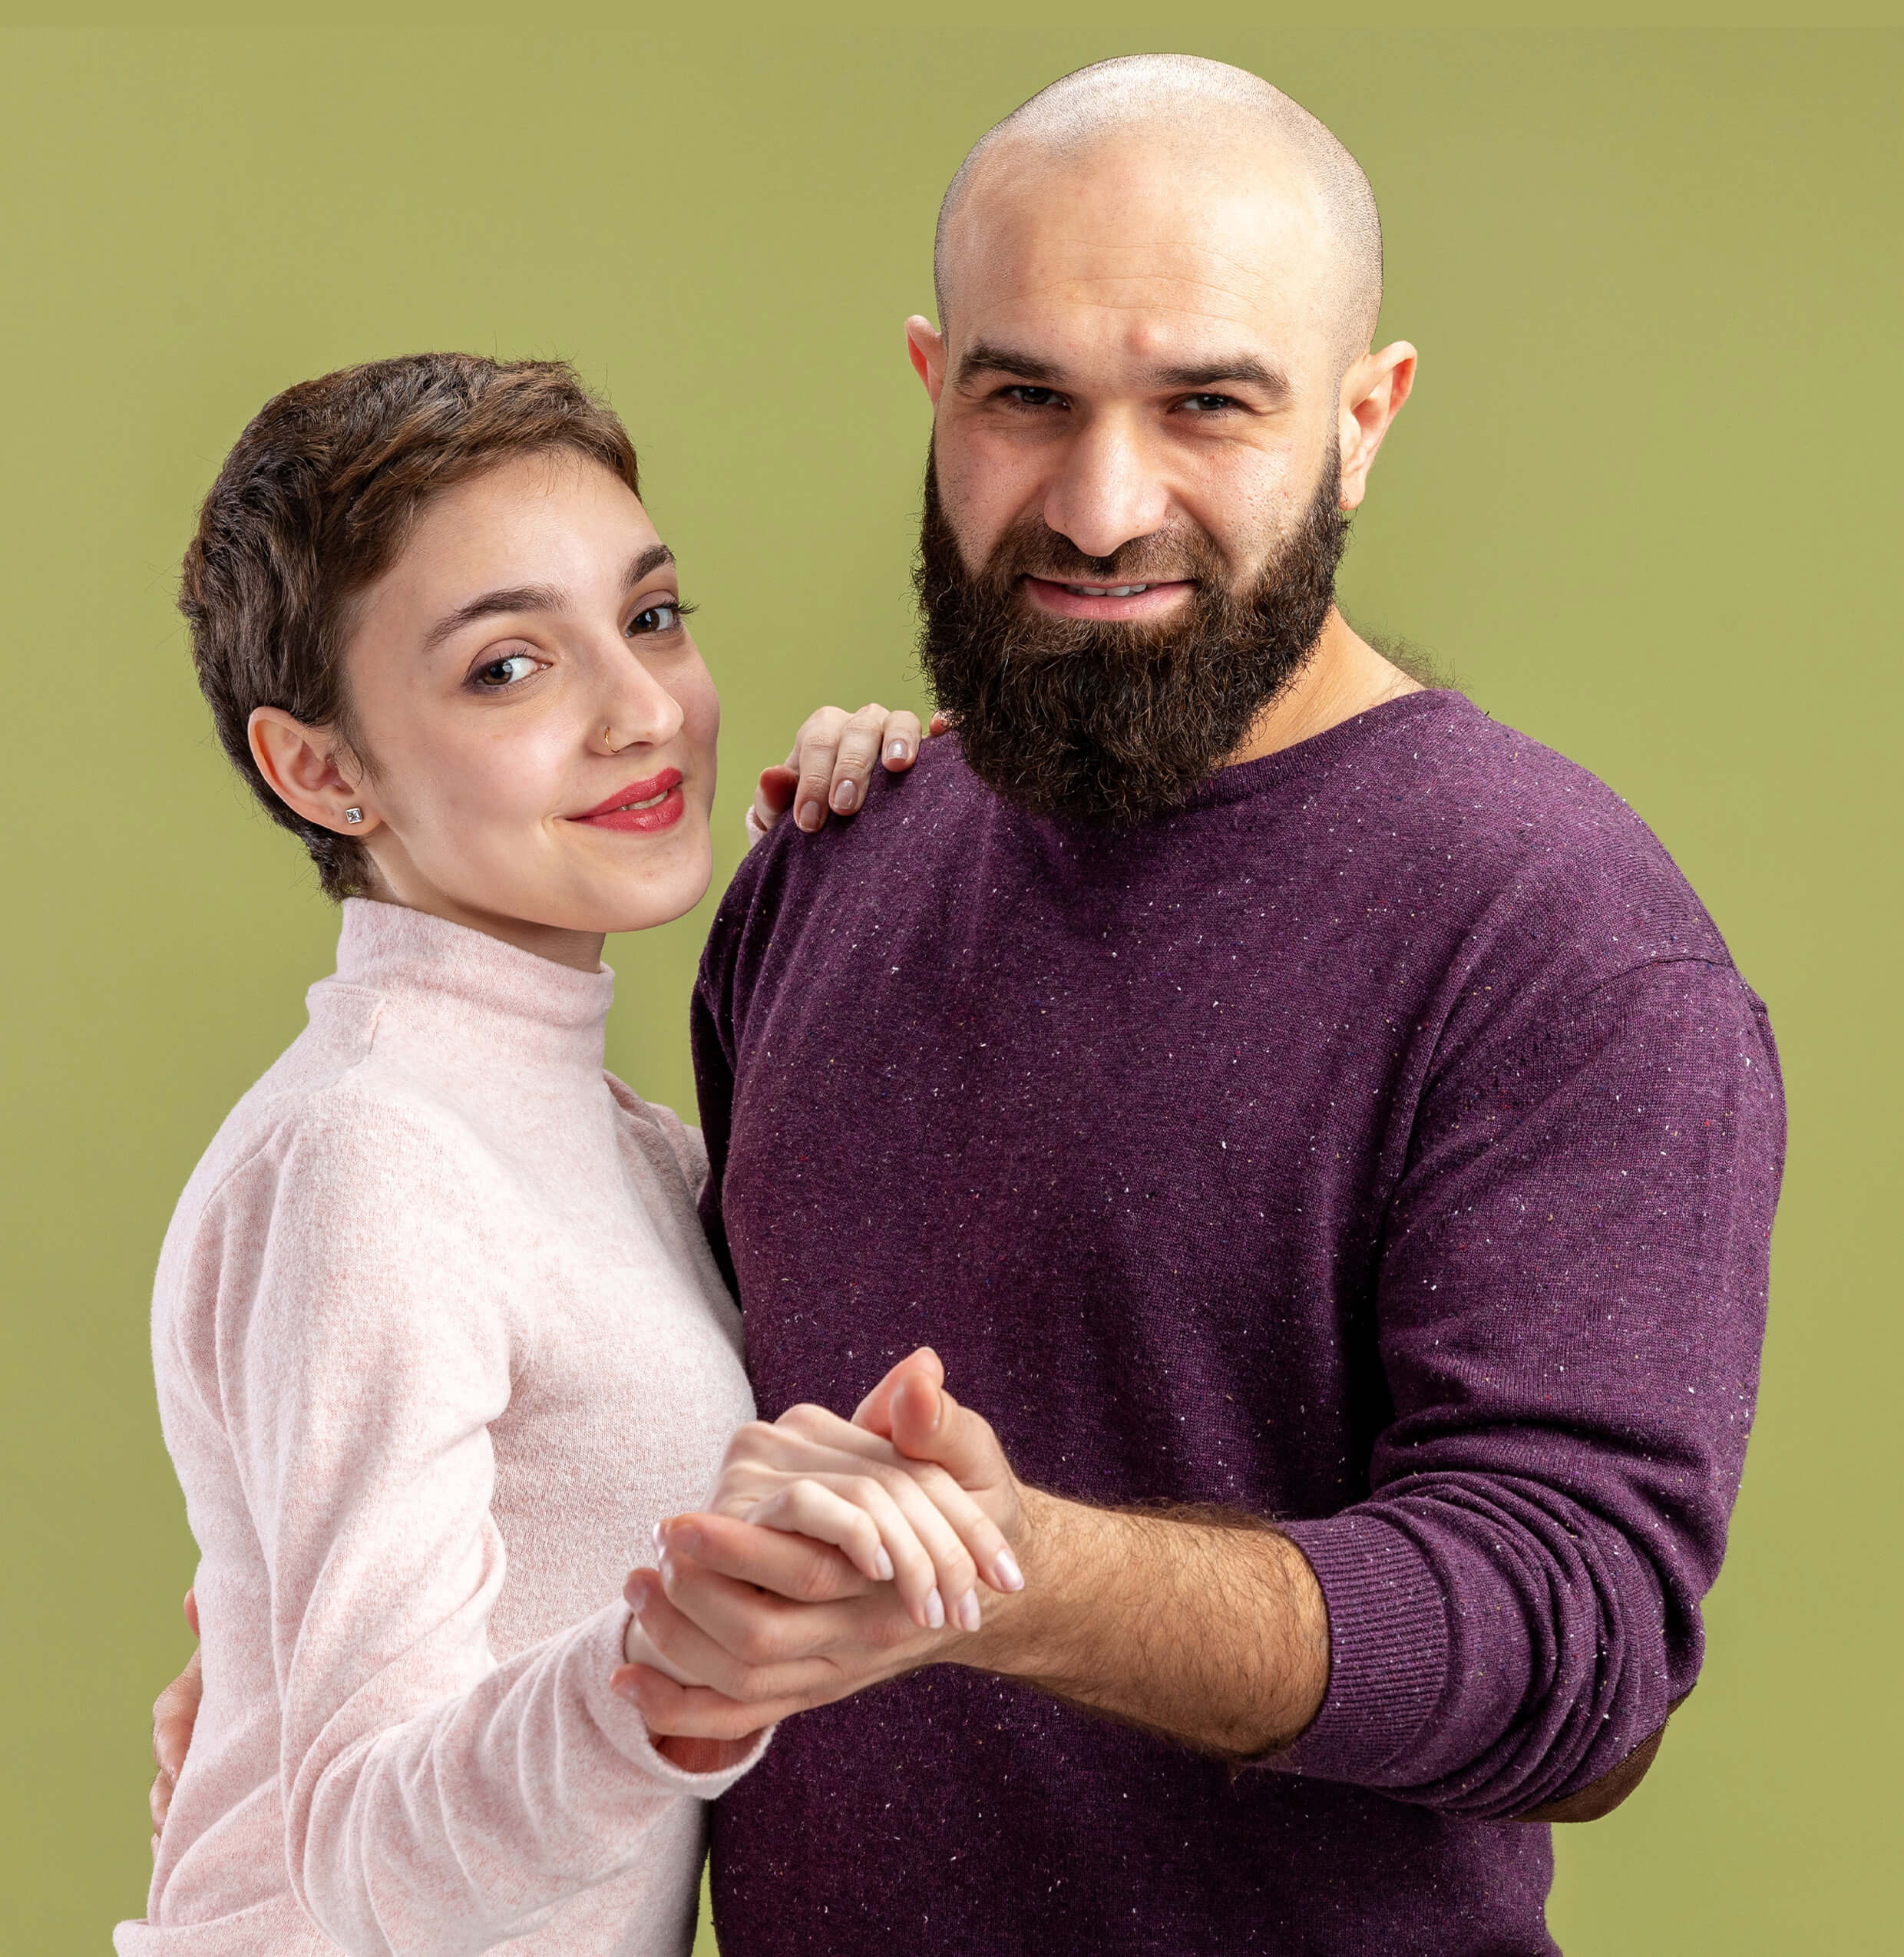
x: 1250, y: 253
x: 1171, y: 258
x: 1133, y: 293
x: 1208, y: 314
x: 1153, y: 348
x: 1154, y: 248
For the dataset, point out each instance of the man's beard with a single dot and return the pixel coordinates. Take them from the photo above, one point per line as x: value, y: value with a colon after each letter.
x: 1112, y: 723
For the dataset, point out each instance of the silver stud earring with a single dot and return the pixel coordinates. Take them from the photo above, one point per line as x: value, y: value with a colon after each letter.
x: 353, y: 816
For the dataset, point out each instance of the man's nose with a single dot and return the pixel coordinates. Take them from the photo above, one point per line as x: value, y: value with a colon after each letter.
x: 1107, y: 492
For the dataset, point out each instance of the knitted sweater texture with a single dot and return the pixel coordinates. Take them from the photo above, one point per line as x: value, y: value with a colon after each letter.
x: 438, y: 1339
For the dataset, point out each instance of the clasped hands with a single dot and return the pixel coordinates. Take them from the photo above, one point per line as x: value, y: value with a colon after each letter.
x: 831, y: 1554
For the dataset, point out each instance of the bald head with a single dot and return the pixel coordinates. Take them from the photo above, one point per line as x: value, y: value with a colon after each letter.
x: 1202, y: 118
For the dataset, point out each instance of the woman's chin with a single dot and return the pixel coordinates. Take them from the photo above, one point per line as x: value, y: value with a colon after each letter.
x: 645, y: 893
x: 642, y: 910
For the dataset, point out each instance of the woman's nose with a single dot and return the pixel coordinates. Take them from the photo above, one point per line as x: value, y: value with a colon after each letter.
x: 635, y: 707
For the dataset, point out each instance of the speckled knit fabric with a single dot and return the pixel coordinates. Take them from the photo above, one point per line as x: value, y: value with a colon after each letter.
x: 1385, y: 1143
x: 438, y: 1340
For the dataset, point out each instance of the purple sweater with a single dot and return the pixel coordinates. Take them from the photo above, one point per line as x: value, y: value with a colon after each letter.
x: 1385, y: 1144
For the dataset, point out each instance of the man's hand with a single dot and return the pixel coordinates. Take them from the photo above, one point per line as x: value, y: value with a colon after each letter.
x: 1208, y: 1627
x: 174, y: 1713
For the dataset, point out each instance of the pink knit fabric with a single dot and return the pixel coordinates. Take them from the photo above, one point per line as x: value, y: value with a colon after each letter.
x: 438, y: 1340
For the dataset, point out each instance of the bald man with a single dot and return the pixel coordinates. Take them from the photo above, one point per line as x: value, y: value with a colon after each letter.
x: 1317, y: 1126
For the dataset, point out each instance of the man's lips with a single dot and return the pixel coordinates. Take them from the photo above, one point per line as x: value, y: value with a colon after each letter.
x: 656, y: 803
x: 1137, y: 599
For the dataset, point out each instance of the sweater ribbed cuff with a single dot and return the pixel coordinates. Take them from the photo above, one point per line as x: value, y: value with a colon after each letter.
x: 621, y: 1721
x: 1388, y: 1648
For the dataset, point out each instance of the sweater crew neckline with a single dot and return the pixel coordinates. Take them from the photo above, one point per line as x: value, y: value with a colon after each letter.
x: 1309, y: 758
x: 491, y: 987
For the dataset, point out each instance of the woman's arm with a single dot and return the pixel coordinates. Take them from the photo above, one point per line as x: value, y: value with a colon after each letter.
x: 433, y: 1798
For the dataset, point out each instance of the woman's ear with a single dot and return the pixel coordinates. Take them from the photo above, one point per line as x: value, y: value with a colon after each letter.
x: 301, y: 765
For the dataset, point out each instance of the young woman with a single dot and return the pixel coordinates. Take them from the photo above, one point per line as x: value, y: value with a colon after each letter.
x: 438, y: 1340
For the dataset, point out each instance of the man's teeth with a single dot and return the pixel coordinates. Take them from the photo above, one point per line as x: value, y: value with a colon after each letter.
x: 1107, y: 591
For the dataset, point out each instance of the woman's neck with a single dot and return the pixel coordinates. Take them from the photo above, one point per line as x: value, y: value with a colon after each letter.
x: 581, y: 951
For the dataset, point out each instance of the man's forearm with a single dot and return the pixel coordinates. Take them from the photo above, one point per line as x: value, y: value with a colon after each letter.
x: 1209, y: 1629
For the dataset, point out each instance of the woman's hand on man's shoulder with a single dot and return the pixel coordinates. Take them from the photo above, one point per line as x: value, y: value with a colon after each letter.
x: 830, y: 766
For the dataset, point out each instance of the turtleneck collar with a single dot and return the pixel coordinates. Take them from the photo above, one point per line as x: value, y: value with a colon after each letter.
x: 478, y: 986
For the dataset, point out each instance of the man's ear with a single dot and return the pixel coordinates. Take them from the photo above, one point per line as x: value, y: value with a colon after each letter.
x: 925, y: 347
x: 301, y: 764
x: 1373, y: 391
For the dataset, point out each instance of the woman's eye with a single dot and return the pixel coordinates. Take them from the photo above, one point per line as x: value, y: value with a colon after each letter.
x: 499, y: 673
x: 656, y: 618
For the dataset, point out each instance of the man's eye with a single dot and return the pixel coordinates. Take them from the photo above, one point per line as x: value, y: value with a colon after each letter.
x: 501, y: 673
x: 1034, y: 397
x: 656, y: 618
x: 1207, y: 404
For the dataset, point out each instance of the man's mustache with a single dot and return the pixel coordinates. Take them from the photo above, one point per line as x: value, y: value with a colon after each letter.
x: 1156, y: 560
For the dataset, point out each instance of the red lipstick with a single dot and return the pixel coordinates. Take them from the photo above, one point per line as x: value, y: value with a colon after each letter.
x: 642, y: 807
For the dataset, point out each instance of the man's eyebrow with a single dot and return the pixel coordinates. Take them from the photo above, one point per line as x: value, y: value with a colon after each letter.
x: 983, y: 357
x: 1210, y: 375
x: 534, y: 597
x: 1244, y: 370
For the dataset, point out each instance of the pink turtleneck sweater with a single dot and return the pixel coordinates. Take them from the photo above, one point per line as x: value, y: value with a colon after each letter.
x: 438, y: 1339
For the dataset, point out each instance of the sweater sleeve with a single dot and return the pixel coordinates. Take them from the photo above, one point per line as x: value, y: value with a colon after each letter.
x: 433, y: 1798
x: 1571, y: 1305
x: 743, y: 917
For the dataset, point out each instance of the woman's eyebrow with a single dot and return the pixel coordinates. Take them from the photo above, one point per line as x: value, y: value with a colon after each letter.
x: 514, y: 598
x: 649, y: 559
x: 534, y: 597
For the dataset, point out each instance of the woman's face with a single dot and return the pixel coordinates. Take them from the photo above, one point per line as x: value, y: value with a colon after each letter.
x: 539, y: 725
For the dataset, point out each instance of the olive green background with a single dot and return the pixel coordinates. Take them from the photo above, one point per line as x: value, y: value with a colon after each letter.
x: 1643, y: 506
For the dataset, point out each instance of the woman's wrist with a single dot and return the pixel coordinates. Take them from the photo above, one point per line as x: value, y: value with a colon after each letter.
x: 693, y: 1755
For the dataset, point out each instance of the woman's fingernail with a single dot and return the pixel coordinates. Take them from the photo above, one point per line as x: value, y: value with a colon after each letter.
x: 935, y: 1610
x: 1010, y: 1576
x: 968, y: 1611
x: 845, y: 795
x: 897, y: 750
x: 660, y: 1539
x: 882, y: 1564
x: 809, y: 816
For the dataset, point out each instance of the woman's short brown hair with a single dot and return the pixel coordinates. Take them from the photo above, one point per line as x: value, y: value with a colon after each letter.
x: 314, y: 502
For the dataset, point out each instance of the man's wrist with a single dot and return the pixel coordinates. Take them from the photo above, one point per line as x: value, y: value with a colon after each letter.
x: 1022, y: 1635
x: 1117, y: 1607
